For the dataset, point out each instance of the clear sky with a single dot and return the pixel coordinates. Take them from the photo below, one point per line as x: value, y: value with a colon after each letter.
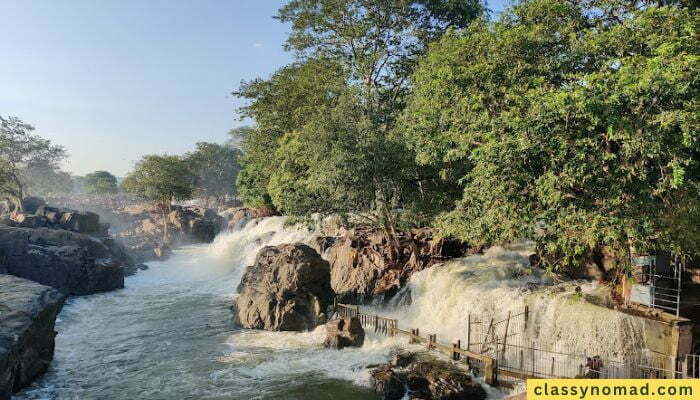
x: 113, y: 80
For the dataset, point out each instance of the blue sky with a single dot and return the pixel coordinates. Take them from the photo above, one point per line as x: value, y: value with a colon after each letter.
x: 115, y: 80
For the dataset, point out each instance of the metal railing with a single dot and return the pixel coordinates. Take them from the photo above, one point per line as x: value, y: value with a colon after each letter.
x: 502, y: 349
x: 479, y: 364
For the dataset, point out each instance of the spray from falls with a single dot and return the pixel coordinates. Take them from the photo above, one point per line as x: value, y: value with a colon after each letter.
x: 489, y: 286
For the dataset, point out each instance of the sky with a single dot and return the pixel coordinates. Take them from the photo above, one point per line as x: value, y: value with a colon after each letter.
x: 113, y: 80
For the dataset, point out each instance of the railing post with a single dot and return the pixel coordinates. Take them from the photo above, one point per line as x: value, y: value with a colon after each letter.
x: 455, y: 350
x: 490, y: 371
x: 469, y: 331
x: 527, y: 315
x: 505, y: 337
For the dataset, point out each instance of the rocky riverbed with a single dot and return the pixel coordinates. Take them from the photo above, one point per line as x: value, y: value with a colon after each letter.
x: 27, y: 314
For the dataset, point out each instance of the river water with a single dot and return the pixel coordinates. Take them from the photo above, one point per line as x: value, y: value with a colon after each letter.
x: 170, y: 333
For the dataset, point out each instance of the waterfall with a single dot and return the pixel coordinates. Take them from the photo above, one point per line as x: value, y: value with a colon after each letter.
x: 440, y: 299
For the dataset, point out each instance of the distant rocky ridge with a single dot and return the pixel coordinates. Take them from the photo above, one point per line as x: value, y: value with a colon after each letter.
x: 139, y: 225
x: 27, y: 314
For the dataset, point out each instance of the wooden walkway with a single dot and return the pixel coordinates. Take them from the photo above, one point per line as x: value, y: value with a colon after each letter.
x: 479, y: 363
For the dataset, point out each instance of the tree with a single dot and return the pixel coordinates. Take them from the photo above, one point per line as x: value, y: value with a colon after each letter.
x: 284, y: 103
x: 42, y: 179
x: 584, y: 123
x: 20, y: 152
x: 162, y: 179
x: 328, y: 118
x: 100, y: 182
x: 216, y: 168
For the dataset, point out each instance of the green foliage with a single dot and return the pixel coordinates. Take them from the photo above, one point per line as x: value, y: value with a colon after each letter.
x: 324, y: 140
x: 26, y: 159
x: 282, y: 104
x: 585, y: 123
x: 100, y: 182
x: 215, y: 167
x: 161, y: 179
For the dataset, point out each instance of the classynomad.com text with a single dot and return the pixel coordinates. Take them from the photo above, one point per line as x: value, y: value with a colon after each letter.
x: 613, y: 389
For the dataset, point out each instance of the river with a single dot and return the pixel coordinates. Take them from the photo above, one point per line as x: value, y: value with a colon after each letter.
x: 170, y: 335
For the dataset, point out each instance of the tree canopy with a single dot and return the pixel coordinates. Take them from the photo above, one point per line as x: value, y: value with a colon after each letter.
x: 100, y: 182
x: 215, y: 168
x: 161, y: 179
x: 583, y: 123
x: 323, y: 140
x: 573, y: 123
x: 26, y: 159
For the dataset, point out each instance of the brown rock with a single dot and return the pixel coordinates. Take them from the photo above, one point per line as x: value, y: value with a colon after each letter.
x: 344, y: 332
x: 287, y: 289
x: 27, y: 315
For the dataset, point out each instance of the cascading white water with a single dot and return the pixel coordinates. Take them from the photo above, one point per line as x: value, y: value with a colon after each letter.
x: 170, y: 334
x: 501, y: 281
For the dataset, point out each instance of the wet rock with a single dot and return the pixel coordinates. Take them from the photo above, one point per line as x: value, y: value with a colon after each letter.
x: 363, y: 264
x: 287, y: 289
x: 423, y: 376
x: 73, y: 263
x: 83, y: 222
x: 344, y: 332
x: 387, y: 383
x: 238, y: 216
x: 27, y: 314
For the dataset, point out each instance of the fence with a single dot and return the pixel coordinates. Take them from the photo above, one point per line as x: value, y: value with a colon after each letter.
x: 501, y: 347
x: 478, y: 363
x: 691, y: 367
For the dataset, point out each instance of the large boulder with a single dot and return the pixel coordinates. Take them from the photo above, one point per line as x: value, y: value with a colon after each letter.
x: 364, y: 265
x: 344, y: 332
x: 27, y: 314
x: 287, y: 289
x: 73, y: 263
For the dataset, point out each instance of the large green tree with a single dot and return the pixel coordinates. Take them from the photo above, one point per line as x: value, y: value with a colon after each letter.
x: 162, y: 179
x: 328, y: 119
x: 100, y: 182
x: 215, y: 167
x: 280, y: 105
x: 23, y: 153
x: 581, y: 121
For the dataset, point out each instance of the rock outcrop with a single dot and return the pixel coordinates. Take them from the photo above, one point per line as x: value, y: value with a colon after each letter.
x: 287, y: 289
x: 422, y: 376
x: 142, y: 229
x: 139, y: 226
x: 27, y: 314
x: 344, y: 332
x: 71, y: 262
x: 238, y: 216
x: 363, y: 267
x: 59, y: 218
